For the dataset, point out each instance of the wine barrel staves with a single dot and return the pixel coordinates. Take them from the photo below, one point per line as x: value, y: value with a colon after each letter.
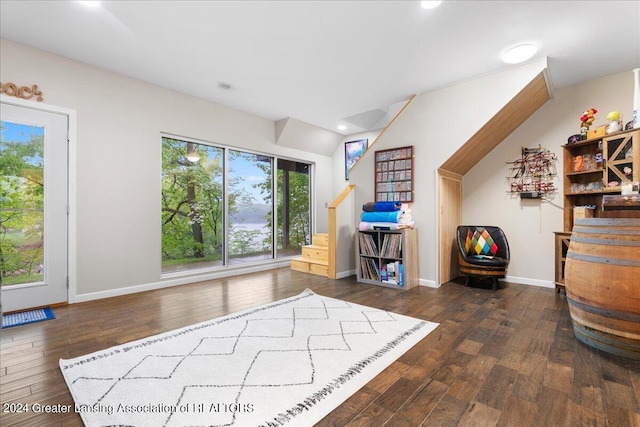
x: 602, y: 279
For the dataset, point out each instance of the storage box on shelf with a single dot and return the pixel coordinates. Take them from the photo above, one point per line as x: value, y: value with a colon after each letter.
x: 388, y: 258
x: 587, y: 180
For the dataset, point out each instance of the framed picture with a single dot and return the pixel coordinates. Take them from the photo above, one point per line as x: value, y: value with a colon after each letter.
x: 353, y: 150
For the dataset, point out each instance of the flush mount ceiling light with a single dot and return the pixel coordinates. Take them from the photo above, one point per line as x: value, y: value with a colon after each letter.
x: 224, y: 85
x: 90, y: 3
x: 342, y: 127
x: 192, y: 154
x: 430, y: 4
x: 520, y: 53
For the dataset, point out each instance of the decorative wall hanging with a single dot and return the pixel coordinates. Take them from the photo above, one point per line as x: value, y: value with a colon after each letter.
x: 353, y: 150
x: 394, y: 175
x: 531, y: 176
x: 24, y: 92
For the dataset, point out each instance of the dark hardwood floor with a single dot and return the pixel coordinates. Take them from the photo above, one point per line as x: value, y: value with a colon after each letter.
x: 498, y: 358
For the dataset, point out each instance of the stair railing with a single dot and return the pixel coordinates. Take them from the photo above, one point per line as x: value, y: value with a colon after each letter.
x: 333, y: 230
x: 333, y: 227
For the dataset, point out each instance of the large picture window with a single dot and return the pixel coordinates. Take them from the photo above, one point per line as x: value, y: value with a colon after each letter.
x: 250, y: 207
x: 192, y: 205
x: 218, y: 206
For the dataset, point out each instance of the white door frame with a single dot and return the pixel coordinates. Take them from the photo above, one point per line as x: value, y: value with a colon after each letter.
x: 71, y: 190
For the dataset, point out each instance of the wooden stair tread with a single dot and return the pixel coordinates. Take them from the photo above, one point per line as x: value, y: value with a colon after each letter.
x: 310, y: 260
x: 319, y: 247
x: 313, y: 259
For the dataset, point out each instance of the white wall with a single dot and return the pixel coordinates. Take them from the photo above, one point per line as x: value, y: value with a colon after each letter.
x: 119, y: 122
x: 437, y: 123
x: 529, y: 224
x: 119, y: 125
x: 347, y: 213
x: 339, y: 181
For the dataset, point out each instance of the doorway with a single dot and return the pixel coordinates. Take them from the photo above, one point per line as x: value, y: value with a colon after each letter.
x: 34, y: 234
x: 449, y: 218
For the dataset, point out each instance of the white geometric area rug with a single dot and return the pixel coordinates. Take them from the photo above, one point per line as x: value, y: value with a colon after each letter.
x: 289, y: 362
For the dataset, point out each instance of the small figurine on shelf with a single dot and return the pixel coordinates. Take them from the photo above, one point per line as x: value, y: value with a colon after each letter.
x: 615, y: 122
x: 577, y: 164
x: 586, y: 120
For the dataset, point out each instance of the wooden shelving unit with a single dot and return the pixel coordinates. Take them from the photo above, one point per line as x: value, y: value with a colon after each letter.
x: 388, y: 258
x: 561, y: 246
x: 620, y: 153
x: 620, y: 150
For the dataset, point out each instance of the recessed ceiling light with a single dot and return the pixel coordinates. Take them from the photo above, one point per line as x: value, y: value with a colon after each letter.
x: 225, y: 86
x: 90, y: 3
x: 519, y: 53
x: 342, y: 127
x: 430, y: 4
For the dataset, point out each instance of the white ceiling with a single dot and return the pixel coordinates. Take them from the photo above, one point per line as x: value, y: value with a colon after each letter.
x: 323, y: 62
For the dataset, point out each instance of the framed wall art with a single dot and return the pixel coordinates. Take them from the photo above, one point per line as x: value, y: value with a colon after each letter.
x: 394, y: 175
x: 353, y: 150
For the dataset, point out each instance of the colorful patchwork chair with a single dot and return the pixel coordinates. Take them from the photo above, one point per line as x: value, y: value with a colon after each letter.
x: 484, y: 252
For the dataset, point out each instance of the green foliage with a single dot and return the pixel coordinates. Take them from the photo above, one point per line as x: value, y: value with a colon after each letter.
x: 243, y: 242
x: 192, y: 201
x: 21, y: 209
x: 296, y: 201
x: 298, y: 204
x: 193, y: 204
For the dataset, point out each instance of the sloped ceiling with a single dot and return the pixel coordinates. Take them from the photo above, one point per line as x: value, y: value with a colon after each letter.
x: 500, y: 126
x: 297, y: 134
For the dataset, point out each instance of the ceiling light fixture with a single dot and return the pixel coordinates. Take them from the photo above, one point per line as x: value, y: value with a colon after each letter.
x: 430, y: 4
x: 225, y: 86
x: 342, y: 127
x: 90, y: 3
x: 192, y: 154
x: 520, y: 53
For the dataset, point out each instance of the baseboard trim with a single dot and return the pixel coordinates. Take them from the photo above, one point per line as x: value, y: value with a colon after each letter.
x: 344, y: 274
x: 183, y: 279
x: 428, y: 283
x: 510, y: 279
x: 532, y: 282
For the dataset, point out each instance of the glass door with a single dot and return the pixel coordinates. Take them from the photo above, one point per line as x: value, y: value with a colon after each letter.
x: 293, y: 207
x: 33, y: 207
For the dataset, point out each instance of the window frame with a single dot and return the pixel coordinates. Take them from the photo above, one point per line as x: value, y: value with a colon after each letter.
x: 226, y: 225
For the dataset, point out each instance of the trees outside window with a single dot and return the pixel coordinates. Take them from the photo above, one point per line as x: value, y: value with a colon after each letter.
x: 294, y: 195
x: 250, y: 207
x: 192, y: 205
x: 21, y: 204
x: 203, y: 184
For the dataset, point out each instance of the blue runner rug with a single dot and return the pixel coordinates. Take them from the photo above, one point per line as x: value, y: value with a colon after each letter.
x: 26, y: 317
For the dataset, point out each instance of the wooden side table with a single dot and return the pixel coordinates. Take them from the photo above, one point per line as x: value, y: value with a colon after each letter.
x: 562, y: 246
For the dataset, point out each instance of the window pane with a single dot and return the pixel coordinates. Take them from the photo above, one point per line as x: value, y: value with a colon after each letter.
x: 21, y: 204
x: 192, y: 205
x: 293, y: 207
x: 250, y: 207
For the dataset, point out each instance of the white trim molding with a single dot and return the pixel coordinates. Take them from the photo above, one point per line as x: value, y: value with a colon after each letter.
x: 72, y: 217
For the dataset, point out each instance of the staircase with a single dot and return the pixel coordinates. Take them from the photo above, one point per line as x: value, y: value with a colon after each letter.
x: 315, y: 257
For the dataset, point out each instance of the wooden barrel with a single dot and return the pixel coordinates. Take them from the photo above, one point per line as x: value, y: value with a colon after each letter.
x: 602, y: 279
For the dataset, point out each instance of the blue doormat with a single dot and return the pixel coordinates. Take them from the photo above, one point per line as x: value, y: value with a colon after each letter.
x: 26, y: 317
